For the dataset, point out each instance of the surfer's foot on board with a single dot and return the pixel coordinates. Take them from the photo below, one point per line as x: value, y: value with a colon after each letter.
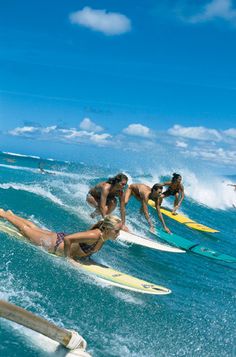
x: 2, y: 213
x: 95, y: 213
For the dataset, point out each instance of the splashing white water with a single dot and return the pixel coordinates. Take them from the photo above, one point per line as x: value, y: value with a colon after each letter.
x: 210, y: 191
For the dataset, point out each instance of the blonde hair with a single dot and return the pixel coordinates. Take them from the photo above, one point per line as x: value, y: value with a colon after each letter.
x: 109, y: 222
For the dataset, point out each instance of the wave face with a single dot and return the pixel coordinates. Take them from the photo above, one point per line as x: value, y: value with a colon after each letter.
x: 118, y: 322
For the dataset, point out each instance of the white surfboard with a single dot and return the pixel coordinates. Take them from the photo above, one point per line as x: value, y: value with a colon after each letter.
x: 145, y: 242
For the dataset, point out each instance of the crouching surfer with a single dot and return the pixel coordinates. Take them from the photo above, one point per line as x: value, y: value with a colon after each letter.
x: 143, y: 193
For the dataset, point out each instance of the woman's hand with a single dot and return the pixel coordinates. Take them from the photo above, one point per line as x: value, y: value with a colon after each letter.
x: 167, y: 230
x: 124, y: 228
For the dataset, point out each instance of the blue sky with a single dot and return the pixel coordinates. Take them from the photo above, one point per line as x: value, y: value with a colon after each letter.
x: 108, y: 75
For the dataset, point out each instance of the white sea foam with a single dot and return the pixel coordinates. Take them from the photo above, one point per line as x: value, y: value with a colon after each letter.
x: 128, y: 297
x: 210, y: 191
x: 204, y: 189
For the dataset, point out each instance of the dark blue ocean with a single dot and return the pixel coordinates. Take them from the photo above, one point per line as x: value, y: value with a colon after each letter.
x: 198, y: 319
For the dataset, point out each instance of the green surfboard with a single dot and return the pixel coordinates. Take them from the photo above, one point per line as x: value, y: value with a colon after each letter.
x: 193, y: 247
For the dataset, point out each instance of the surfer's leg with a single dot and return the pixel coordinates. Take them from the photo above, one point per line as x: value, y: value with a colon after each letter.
x: 111, y: 206
x: 95, y: 213
x: 91, y: 200
x: 176, y: 202
x: 28, y: 223
x: 36, y: 236
x: 176, y: 199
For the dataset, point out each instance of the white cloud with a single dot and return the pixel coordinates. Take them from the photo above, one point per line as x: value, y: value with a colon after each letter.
x: 217, y: 155
x: 222, y: 9
x: 197, y: 133
x: 109, y: 23
x: 70, y: 135
x: 73, y: 133
x: 30, y: 130
x: 23, y: 131
x: 101, y: 139
x: 181, y: 144
x: 88, y: 125
x: 230, y: 132
x: 137, y: 130
x: 49, y: 129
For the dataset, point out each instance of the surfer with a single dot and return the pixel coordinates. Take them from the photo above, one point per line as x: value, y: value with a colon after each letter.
x: 175, y: 188
x: 104, y: 195
x: 233, y: 185
x: 74, y: 246
x: 143, y: 193
x: 42, y: 171
x: 10, y: 160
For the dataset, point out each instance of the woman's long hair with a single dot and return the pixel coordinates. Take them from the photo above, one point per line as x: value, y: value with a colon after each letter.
x: 175, y: 177
x: 116, y: 179
x: 109, y: 222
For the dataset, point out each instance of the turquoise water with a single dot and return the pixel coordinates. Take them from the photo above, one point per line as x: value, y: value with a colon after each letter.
x: 197, y: 319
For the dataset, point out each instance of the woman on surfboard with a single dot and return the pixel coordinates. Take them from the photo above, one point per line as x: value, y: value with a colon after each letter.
x: 143, y: 193
x: 104, y: 196
x: 175, y: 188
x: 76, y: 245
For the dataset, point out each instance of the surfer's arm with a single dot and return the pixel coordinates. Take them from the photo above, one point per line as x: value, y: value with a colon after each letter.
x: 182, y: 196
x: 95, y: 249
x: 146, y: 213
x: 80, y: 237
x: 122, y: 209
x: 67, y: 249
x: 181, y: 200
x: 161, y: 218
x: 168, y: 183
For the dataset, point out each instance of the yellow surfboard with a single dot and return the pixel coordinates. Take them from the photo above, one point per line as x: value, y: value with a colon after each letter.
x: 105, y: 273
x: 116, y: 278
x: 184, y: 220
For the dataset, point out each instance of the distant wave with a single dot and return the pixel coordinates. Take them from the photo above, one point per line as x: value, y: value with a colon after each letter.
x: 36, y: 170
x: 19, y: 168
x: 37, y: 190
x: 20, y: 155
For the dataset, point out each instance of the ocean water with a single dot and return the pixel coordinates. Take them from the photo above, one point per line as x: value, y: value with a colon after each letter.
x: 197, y: 319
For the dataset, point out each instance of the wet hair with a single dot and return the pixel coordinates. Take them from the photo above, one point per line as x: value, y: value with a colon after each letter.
x: 117, y: 179
x: 175, y: 177
x: 156, y: 187
x: 109, y: 222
